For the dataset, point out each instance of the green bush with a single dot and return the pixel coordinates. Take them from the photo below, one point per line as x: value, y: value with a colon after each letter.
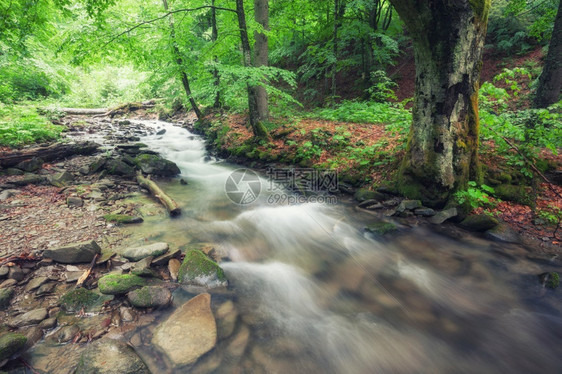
x: 20, y: 125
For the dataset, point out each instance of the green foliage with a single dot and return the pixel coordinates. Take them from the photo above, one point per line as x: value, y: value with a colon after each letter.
x: 20, y: 125
x: 551, y: 215
x: 383, y: 87
x: 474, y: 196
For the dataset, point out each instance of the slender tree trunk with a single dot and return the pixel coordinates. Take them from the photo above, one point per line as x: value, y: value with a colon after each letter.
x: 257, y: 127
x: 179, y: 61
x: 335, y: 47
x: 442, y: 149
x: 261, y: 12
x: 550, y: 81
x: 214, y: 36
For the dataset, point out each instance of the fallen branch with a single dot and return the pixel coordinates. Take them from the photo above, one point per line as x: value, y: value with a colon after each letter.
x: 84, y: 111
x: 50, y: 153
x: 87, y: 273
x: 155, y: 190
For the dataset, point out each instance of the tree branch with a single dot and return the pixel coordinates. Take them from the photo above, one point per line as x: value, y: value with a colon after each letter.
x: 164, y: 16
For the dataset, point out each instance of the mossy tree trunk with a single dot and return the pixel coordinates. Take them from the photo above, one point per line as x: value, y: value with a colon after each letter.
x: 442, y: 149
x: 550, y: 81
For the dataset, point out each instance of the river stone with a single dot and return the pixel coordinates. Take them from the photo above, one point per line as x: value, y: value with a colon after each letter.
x: 6, y: 194
x: 443, y: 215
x: 503, y: 233
x: 33, y: 335
x: 142, y: 268
x: 189, y: 332
x: 29, y: 178
x: 115, y: 284
x: 108, y: 356
x: 32, y: 317
x: 61, y: 179
x: 36, y: 283
x: 479, y: 222
x: 31, y: 165
x: 10, y: 344
x: 45, y: 289
x: 408, y: 205
x: 80, y: 298
x: 150, y: 297
x: 74, y: 201
x: 4, y: 270
x: 199, y: 270
x: 74, y: 253
x: 49, y: 323
x: 364, y: 194
x: 96, y: 165
x: 163, y: 260
x: 138, y: 253
x: 6, y: 295
x: 16, y: 273
x: 118, y: 167
x: 154, y: 164
x: 424, y: 212
x: 381, y: 228
x: 174, y: 267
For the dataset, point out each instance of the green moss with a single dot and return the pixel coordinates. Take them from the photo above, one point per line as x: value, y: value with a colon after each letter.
x: 553, y: 280
x: 6, y: 295
x: 10, y: 344
x: 118, y: 218
x: 517, y: 194
x: 481, y: 8
x: 115, y: 284
x: 197, y: 264
x: 381, y: 228
x: 77, y: 299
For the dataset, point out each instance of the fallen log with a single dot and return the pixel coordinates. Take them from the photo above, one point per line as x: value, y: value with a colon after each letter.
x: 49, y: 153
x: 84, y: 111
x: 172, y: 207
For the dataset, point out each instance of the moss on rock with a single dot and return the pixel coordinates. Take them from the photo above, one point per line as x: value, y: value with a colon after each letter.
x: 197, y: 269
x: 381, y: 228
x: 74, y: 300
x: 116, y: 284
x: 122, y: 218
x: 10, y: 344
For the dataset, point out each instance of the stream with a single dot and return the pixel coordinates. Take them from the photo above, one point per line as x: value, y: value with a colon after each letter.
x: 316, y: 293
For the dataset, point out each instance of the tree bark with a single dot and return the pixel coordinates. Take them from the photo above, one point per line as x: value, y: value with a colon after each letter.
x: 52, y: 152
x: 335, y: 48
x: 261, y: 13
x: 214, y: 36
x: 172, y: 207
x: 442, y: 149
x: 84, y: 111
x: 179, y: 61
x: 550, y: 81
x: 257, y: 127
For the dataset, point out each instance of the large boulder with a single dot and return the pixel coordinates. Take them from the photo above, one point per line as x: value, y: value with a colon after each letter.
x: 189, y: 333
x: 108, y: 356
x: 503, y: 233
x: 120, y: 284
x: 74, y: 253
x: 138, y: 253
x: 479, y: 222
x: 10, y: 344
x: 150, y: 297
x: 199, y: 270
x: 154, y: 164
x: 119, y: 167
x: 61, y: 179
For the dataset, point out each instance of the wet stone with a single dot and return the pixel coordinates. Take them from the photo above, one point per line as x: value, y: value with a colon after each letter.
x: 503, y: 233
x: 10, y: 344
x: 74, y: 253
x: 16, y: 273
x: 443, y: 215
x: 138, y: 253
x: 174, y: 268
x: 32, y: 317
x: 8, y: 283
x: 479, y: 222
x: 66, y: 334
x: 114, y: 284
x: 33, y: 335
x: 35, y: 283
x: 108, y: 356
x: 48, y: 323
x: 199, y: 270
x: 4, y: 270
x: 6, y: 295
x: 150, y: 297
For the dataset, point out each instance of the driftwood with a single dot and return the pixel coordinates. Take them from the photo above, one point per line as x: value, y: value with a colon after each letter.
x: 155, y: 190
x: 110, y: 112
x: 49, y: 153
x: 87, y: 273
x: 84, y: 111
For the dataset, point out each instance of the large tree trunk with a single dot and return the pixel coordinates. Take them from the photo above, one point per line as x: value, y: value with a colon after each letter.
x: 550, y: 81
x: 49, y: 153
x: 261, y: 13
x: 442, y: 150
x: 214, y: 36
x: 179, y: 61
x: 257, y: 127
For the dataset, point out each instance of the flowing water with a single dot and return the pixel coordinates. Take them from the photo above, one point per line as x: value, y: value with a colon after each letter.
x: 315, y: 293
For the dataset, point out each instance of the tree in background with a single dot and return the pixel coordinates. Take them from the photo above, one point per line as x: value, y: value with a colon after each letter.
x: 261, y: 53
x: 442, y: 150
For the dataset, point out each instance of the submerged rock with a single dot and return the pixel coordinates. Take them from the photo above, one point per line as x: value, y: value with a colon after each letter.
x: 199, y: 270
x: 138, y: 253
x: 10, y: 344
x: 154, y: 164
x: 74, y: 253
x: 550, y: 280
x: 479, y: 222
x: 150, y: 297
x: 115, y: 284
x: 503, y: 233
x: 443, y: 215
x: 189, y: 332
x: 108, y: 356
x: 381, y: 228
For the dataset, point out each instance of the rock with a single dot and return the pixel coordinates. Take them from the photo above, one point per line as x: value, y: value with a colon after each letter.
x: 161, y: 132
x: 518, y: 194
x: 96, y: 165
x: 77, y: 299
x: 364, y: 194
x: 14, y: 171
x: 45, y: 289
x: 31, y: 165
x: 61, y: 179
x: 183, y: 182
x: 84, y: 170
x: 48, y: 323
x: 66, y: 334
x: 162, y: 260
x: 16, y: 273
x: 381, y: 228
x: 35, y: 283
x: 238, y: 344
x: 127, y: 314
x: 479, y: 222
x: 6, y: 295
x: 6, y: 194
x: 199, y: 270
x: 150, y: 297
x: 424, y: 212
x: 33, y: 335
x: 503, y: 233
x: 408, y: 205
x: 74, y: 253
x: 154, y: 164
x: 119, y: 167
x: 142, y: 268
x: 8, y: 283
x: 32, y: 317
x: 108, y: 356
x: 189, y: 332
x: 115, y: 284
x: 138, y: 253
x: 10, y: 344
x: 443, y: 215
x: 72, y: 276
x: 73, y: 201
x: 550, y: 280
x: 122, y: 218
x: 174, y: 267
x: 226, y: 316
x: 4, y: 270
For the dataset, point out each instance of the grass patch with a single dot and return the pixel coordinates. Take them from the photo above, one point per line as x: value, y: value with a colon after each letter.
x: 21, y: 125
